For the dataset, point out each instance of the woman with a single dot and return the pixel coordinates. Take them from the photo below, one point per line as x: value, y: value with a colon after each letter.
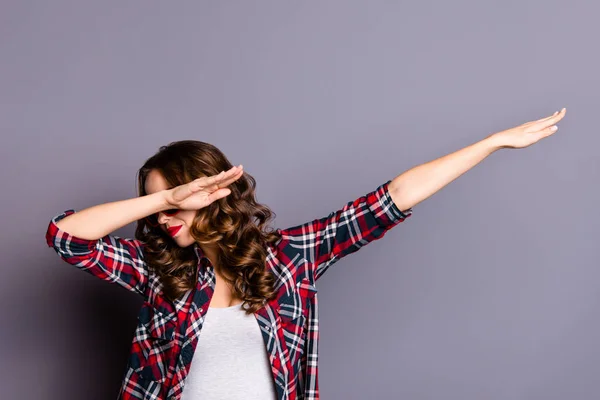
x: 209, y: 268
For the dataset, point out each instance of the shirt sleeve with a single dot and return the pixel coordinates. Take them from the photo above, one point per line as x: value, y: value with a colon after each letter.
x: 110, y: 258
x: 324, y: 241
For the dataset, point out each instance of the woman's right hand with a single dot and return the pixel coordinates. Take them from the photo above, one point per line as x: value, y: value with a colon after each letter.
x: 203, y: 191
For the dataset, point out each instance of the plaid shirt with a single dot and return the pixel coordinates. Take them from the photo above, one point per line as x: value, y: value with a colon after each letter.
x: 167, y: 331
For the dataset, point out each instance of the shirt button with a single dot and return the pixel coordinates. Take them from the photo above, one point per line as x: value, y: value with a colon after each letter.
x: 201, y: 309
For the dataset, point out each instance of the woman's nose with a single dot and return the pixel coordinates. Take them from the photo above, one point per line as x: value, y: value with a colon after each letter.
x: 162, y: 218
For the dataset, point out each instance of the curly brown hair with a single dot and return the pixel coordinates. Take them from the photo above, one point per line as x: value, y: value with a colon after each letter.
x: 236, y: 224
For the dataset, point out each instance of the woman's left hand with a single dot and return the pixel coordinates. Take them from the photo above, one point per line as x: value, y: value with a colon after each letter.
x: 530, y: 132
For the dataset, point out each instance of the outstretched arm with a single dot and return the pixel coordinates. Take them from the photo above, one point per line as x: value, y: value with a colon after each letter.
x: 325, y: 240
x: 420, y: 182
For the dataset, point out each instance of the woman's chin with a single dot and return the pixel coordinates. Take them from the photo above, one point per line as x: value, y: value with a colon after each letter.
x: 184, y: 240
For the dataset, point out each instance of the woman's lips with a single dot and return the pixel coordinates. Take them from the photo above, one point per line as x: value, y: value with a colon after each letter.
x: 174, y: 229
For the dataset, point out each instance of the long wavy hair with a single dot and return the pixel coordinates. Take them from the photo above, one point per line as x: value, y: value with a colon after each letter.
x: 236, y: 224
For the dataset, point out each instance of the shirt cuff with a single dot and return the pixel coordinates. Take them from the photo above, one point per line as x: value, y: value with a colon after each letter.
x: 64, y: 242
x: 384, y: 209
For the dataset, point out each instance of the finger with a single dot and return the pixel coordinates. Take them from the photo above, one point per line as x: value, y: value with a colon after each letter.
x: 559, y: 115
x: 552, y: 120
x: 213, y: 179
x: 229, y: 173
x: 552, y: 116
x: 546, y: 118
x: 549, y: 130
x: 233, y: 173
x: 221, y: 179
x: 219, y: 194
x: 232, y: 179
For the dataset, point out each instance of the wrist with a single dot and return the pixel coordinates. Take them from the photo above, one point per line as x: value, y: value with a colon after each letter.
x: 162, y: 199
x: 493, y: 142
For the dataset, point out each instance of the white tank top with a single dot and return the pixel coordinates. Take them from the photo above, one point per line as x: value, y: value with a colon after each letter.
x: 230, y: 360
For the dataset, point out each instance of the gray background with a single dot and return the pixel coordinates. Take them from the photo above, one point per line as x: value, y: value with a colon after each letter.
x: 489, y: 291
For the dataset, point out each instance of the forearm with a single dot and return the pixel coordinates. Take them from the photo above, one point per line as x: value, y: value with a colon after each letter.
x: 420, y: 182
x: 97, y: 221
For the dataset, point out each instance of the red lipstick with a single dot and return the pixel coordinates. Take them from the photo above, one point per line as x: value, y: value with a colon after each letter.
x: 173, y: 230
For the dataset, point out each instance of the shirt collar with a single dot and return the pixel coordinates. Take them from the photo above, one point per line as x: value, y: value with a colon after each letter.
x: 203, y: 261
x: 198, y: 251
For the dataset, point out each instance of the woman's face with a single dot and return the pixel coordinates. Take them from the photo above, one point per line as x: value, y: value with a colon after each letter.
x: 183, y: 219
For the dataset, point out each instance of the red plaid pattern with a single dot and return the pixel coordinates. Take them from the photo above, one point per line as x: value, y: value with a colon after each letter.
x: 167, y: 332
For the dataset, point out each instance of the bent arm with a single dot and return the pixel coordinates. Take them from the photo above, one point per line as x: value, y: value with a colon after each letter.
x: 98, y: 221
x: 83, y: 239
